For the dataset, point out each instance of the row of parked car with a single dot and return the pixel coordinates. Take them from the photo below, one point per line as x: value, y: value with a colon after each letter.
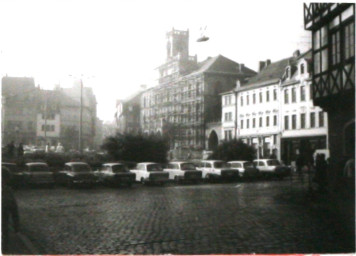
x: 149, y: 172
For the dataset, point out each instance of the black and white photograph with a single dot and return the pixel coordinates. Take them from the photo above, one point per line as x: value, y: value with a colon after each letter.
x: 177, y: 127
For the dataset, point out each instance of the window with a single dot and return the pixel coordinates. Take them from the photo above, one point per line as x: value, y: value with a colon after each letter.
x: 286, y: 122
x: 294, y: 121
x: 242, y: 100
x: 260, y: 121
x: 228, y: 100
x: 317, y: 63
x: 228, y: 135
x: 254, y: 98
x: 286, y: 96
x: 312, y: 120
x: 228, y: 116
x: 247, y: 123
x: 335, y: 48
x: 294, y: 95
x: 242, y: 124
x: 275, y: 120
x: 253, y: 122
x: 302, y: 93
x: 267, y: 121
x: 275, y: 94
x: 302, y: 68
x: 247, y: 100
x: 349, y: 40
x: 260, y: 97
x: 288, y: 72
x: 267, y: 96
x: 321, y: 119
x: 302, y: 121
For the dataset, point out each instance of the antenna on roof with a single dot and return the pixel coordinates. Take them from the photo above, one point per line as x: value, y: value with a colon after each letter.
x: 202, y: 37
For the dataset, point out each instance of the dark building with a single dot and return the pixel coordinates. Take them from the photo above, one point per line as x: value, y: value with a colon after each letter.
x: 333, y: 54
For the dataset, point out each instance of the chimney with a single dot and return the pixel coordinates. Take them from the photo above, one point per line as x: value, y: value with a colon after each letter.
x: 268, y: 62
x: 241, y: 67
x: 296, y: 54
x: 261, y: 66
x: 238, y: 84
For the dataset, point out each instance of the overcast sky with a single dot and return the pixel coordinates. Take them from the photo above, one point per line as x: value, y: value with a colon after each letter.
x: 116, y: 45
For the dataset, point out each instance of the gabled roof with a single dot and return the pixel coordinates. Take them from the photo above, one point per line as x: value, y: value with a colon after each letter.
x: 222, y: 65
x: 15, y: 85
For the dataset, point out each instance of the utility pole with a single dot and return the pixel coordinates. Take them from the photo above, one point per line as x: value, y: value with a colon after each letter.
x: 45, y: 116
x: 81, y: 116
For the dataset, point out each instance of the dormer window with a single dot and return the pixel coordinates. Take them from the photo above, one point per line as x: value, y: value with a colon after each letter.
x: 302, y: 68
x: 288, y: 72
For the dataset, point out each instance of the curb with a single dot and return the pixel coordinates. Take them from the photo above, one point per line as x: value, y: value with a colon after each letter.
x: 27, y: 243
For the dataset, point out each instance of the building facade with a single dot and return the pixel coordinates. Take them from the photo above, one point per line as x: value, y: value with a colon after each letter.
x: 187, y: 96
x: 274, y: 111
x: 333, y: 80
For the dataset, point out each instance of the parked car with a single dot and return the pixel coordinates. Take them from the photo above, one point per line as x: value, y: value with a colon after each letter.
x: 38, y: 173
x: 217, y: 169
x: 150, y: 173
x: 272, y: 168
x: 115, y: 174
x: 183, y: 171
x: 76, y: 173
x: 17, y: 176
x: 246, y: 169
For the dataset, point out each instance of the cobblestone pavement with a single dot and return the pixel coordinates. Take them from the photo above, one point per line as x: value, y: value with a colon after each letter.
x: 231, y: 218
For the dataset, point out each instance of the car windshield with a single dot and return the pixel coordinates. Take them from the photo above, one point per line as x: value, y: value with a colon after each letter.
x: 234, y: 165
x: 39, y: 168
x: 154, y: 168
x: 119, y: 168
x: 273, y: 162
x: 220, y: 165
x: 248, y: 165
x: 187, y: 166
x: 81, y: 168
x: 13, y: 168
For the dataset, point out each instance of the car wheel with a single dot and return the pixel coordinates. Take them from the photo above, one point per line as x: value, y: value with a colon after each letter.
x: 143, y: 181
x: 176, y: 179
x: 70, y: 183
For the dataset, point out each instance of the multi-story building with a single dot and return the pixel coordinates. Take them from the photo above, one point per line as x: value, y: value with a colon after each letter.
x: 274, y: 112
x: 20, y: 106
x: 128, y: 114
x: 304, y: 126
x: 37, y: 117
x: 187, y: 96
x: 333, y: 80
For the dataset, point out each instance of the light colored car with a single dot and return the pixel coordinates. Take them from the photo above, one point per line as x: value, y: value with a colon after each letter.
x: 115, y: 174
x: 76, y: 173
x: 183, y: 171
x: 37, y: 173
x: 272, y: 167
x: 246, y: 168
x: 150, y: 172
x: 217, y: 169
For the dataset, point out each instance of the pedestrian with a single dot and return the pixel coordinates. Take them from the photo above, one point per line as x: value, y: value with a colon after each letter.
x: 299, y: 164
x: 9, y: 211
x: 59, y: 148
x: 20, y: 150
x: 321, y: 172
x: 11, y: 149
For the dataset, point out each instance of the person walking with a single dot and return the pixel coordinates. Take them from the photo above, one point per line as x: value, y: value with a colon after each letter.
x: 321, y: 172
x: 299, y: 164
x: 9, y: 211
x: 20, y: 150
x: 11, y: 149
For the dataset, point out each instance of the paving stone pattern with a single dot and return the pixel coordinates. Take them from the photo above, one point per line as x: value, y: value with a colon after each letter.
x: 233, y: 218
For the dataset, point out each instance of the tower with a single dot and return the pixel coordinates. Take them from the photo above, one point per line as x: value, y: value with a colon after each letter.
x: 177, y: 44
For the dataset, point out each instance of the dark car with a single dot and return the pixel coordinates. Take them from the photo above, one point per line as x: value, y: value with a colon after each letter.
x: 16, y: 175
x: 76, y: 173
x: 38, y: 173
x: 115, y: 174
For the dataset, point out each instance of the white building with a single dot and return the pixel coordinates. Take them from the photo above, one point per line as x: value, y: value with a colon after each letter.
x: 274, y: 111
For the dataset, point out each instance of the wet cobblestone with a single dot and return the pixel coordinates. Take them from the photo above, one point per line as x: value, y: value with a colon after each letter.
x: 256, y: 217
